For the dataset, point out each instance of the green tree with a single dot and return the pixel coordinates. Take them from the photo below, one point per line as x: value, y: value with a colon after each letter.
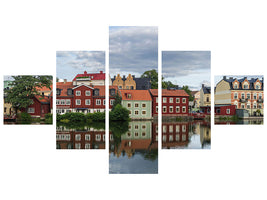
x: 153, y: 75
x: 24, y: 88
x: 117, y: 101
x: 188, y: 91
x: 119, y: 114
x: 166, y: 84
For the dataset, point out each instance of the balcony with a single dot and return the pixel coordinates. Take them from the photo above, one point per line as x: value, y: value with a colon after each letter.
x: 243, y: 100
x: 260, y: 100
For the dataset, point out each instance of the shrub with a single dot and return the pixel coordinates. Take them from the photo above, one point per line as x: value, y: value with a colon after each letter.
x: 24, y: 117
x: 49, y: 118
x: 98, y: 116
x: 119, y: 114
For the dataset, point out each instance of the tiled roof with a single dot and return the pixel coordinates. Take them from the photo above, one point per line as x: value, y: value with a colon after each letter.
x: 42, y: 99
x: 170, y: 93
x: 42, y: 89
x: 64, y: 87
x: 93, y: 76
x: 251, y: 82
x: 141, y: 95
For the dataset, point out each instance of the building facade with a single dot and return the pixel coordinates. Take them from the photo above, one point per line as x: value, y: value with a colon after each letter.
x: 131, y: 82
x: 205, y: 96
x: 174, y: 102
x: 243, y: 93
x: 90, y: 79
x: 138, y: 102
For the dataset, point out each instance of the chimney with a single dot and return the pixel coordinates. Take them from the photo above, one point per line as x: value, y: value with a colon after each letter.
x: 114, y: 77
x: 133, y: 76
x: 202, y: 85
x: 101, y: 72
x: 85, y: 72
x: 224, y: 77
x: 65, y: 80
x: 123, y: 76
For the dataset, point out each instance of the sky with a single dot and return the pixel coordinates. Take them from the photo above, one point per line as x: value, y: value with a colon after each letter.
x: 217, y: 79
x: 191, y: 68
x: 132, y: 50
x: 71, y: 63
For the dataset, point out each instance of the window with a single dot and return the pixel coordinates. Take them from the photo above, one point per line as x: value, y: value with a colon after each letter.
x: 129, y: 105
x: 208, y: 99
x: 96, y: 92
x: 58, y: 91
x: 177, y: 128
x: 112, y: 92
x: 87, y: 137
x: 170, y: 100
x: 164, y: 129
x: 184, y: 100
x: 258, y: 87
x: 143, y: 105
x: 130, y: 112
x: 87, y: 93
x: 171, y: 128
x: 87, y: 146
x: 31, y: 110
x: 177, y: 109
x: 143, y: 126
x: 228, y: 111
x: 120, y: 87
x: 248, y: 95
x: 242, y: 106
x: 248, y: 106
x: 254, y: 96
x: 143, y: 134
x: 97, y: 137
x: 183, y: 128
x: 170, y: 138
x: 164, y: 100
x: 67, y: 101
x: 143, y: 112
x: 98, y: 102
x: 157, y: 129
x: 177, y: 137
x: 164, y: 109
x: 78, y: 137
x: 156, y: 99
x: 57, y: 102
x: 104, y: 102
x: 129, y: 96
x: 69, y: 91
x: 177, y: 100
x: 245, y: 86
x: 218, y: 111
x: 184, y: 109
x: 62, y: 102
x: 157, y: 109
x: 183, y: 137
x: 260, y: 95
x: 77, y: 145
x: 259, y: 106
x: 136, y: 112
x: 112, y: 101
x: 136, y: 105
x: 171, y: 109
x: 243, y: 96
x: 235, y: 95
x: 136, y: 127
x: 78, y: 101
x: 254, y: 105
x: 78, y: 93
x: 136, y: 134
x: 87, y: 102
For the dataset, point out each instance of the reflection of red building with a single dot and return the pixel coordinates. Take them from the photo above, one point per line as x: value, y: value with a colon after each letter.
x: 175, y: 134
x: 81, y: 139
x: 174, y: 102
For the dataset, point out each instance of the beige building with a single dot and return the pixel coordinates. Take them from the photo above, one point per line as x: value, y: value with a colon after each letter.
x: 243, y: 93
x: 126, y: 84
x: 205, y: 97
x: 196, y: 95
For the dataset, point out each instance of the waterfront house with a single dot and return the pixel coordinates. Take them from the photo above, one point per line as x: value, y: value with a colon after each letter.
x: 174, y: 102
x: 205, y: 96
x: 244, y: 93
x: 138, y: 102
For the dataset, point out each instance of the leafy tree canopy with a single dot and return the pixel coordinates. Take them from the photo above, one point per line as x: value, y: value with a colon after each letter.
x: 188, y: 91
x: 116, y: 101
x: 23, y: 88
x: 153, y: 75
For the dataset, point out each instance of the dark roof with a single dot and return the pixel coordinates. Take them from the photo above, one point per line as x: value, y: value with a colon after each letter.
x: 206, y: 90
x: 251, y: 83
x: 141, y: 83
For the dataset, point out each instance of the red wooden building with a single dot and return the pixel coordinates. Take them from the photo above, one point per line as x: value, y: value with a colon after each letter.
x: 174, y: 102
x: 225, y: 109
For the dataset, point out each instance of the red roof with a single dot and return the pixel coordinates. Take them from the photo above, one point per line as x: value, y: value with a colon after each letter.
x: 42, y: 89
x: 93, y: 76
x: 102, y: 89
x: 42, y: 99
x: 64, y: 87
x: 171, y: 93
x: 141, y: 95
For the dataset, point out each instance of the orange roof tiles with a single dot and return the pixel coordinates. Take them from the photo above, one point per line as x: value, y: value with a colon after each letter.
x: 64, y: 87
x: 142, y: 95
x: 42, y: 99
x: 170, y: 93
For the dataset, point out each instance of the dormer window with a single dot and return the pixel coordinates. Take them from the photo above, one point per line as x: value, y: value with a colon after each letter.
x: 245, y: 86
x: 235, y: 86
x: 58, y: 91
x: 258, y: 86
x: 129, y: 96
x: 96, y: 92
x: 69, y: 91
x: 112, y: 92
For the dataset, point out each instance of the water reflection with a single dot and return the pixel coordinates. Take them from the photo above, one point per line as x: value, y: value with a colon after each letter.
x: 186, y: 135
x: 133, y: 148
x: 244, y: 121
x: 81, y: 136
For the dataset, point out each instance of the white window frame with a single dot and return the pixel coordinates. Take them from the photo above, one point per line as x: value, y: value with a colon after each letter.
x: 136, y: 104
x: 129, y: 103
x: 78, y: 92
x: 136, y: 111
x: 171, y: 107
x: 78, y: 137
x: 235, y: 95
x: 177, y: 100
x: 164, y: 107
x: 87, y: 137
x: 86, y: 93
x: 143, y: 111
x: 76, y: 102
x: 184, y: 100
x: 98, y: 102
x: 112, y: 101
x: 170, y: 100
x: 68, y: 101
x: 164, y: 100
x: 31, y: 110
x: 178, y: 109
x: 228, y: 111
x: 184, y: 109
x: 86, y: 101
x: 98, y: 137
x: 143, y: 105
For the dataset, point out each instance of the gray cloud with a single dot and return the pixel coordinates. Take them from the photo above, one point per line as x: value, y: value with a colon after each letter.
x: 133, y: 49
x: 184, y: 63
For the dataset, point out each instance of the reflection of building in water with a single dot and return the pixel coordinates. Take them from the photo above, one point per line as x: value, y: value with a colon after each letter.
x: 138, y: 137
x: 205, y: 134
x: 86, y: 139
x: 175, y: 134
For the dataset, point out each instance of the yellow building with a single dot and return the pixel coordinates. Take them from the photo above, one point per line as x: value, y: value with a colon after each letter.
x: 124, y: 83
x: 205, y: 97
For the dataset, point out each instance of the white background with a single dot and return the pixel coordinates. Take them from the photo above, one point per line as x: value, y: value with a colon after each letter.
x: 32, y: 32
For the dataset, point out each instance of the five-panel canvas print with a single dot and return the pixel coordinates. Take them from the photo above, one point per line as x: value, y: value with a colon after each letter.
x: 140, y: 101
